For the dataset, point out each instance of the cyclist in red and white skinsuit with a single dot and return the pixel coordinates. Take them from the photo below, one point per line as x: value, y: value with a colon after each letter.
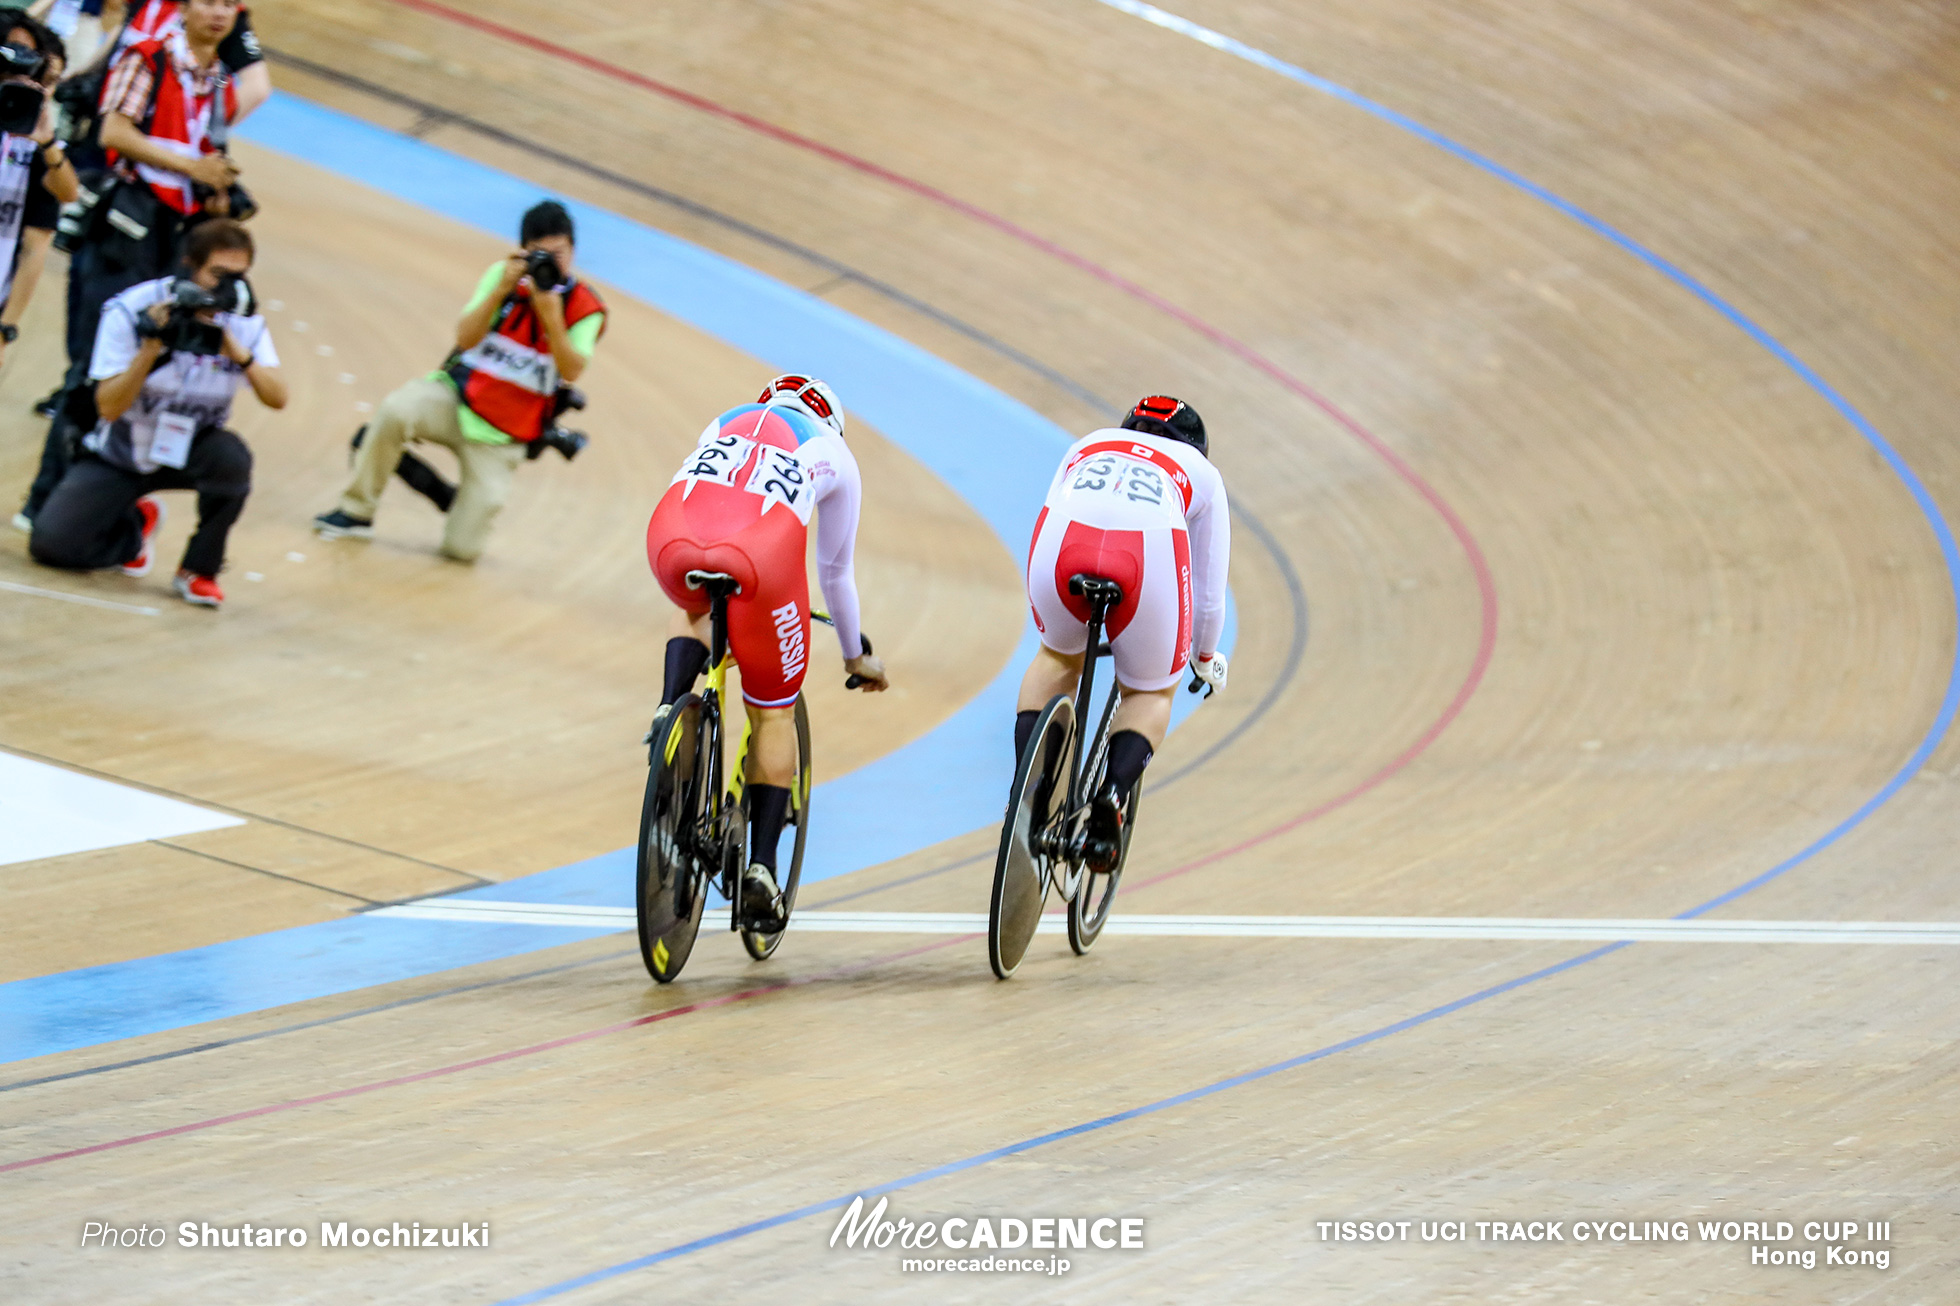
x: 741, y: 505
x: 1144, y: 507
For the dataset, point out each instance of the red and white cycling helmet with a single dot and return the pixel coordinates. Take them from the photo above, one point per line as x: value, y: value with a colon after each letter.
x: 806, y: 395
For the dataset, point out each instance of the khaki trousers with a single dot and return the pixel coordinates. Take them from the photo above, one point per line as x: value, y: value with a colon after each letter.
x: 425, y: 409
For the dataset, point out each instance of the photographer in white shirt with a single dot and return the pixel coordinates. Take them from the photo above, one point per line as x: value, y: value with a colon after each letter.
x: 169, y: 356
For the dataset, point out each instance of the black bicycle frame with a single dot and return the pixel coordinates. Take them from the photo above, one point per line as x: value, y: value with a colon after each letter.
x: 1099, y: 608
x: 709, y: 834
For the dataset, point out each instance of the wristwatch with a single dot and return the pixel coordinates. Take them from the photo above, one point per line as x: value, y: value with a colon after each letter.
x: 9, y: 332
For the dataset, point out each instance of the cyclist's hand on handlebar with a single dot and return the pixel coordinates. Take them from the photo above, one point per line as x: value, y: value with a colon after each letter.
x: 868, y: 673
x: 1208, y: 673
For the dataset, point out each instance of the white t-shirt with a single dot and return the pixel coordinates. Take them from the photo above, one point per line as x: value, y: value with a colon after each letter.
x: 194, y: 386
x: 17, y: 154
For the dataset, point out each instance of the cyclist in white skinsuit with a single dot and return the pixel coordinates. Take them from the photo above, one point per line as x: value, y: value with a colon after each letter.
x: 1144, y: 507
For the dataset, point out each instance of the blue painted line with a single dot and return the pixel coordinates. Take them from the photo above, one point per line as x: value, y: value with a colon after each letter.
x: 80, y: 1008
x: 1929, y: 509
x: 1942, y: 721
x: 997, y: 453
x: 1059, y: 1135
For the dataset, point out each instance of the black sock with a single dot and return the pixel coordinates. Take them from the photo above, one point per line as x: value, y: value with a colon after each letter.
x: 1023, y: 727
x: 1129, y: 753
x: 687, y: 658
x: 768, y: 806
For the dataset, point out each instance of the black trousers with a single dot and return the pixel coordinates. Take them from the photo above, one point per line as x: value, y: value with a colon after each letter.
x: 99, y: 273
x: 65, y: 433
x: 91, y: 519
x: 54, y: 465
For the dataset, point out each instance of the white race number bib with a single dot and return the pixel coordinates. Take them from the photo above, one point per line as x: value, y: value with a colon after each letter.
x: 718, y: 461
x: 779, y: 478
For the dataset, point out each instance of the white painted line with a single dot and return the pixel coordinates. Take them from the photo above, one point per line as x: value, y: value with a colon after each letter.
x: 80, y: 598
x: 48, y: 811
x: 1527, y: 928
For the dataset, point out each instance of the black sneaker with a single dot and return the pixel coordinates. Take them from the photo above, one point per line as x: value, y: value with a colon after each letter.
x: 51, y: 405
x: 762, y: 901
x: 338, y: 525
x: 1105, y: 843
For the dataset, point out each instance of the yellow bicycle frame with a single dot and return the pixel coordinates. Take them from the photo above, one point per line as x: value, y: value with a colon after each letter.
x: 738, y: 774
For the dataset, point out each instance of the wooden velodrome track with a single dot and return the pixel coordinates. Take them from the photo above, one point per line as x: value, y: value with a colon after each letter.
x: 1612, y: 612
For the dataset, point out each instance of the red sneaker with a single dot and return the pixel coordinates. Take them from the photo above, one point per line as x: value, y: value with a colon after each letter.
x: 201, y: 590
x: 152, y: 509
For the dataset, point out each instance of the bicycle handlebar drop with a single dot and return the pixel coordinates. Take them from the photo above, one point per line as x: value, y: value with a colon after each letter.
x: 853, y: 681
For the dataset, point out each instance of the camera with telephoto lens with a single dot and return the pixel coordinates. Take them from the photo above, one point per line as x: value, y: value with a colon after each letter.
x: 184, y: 331
x: 78, y: 215
x: 568, y: 399
x: 541, y: 265
x: 20, y: 101
x: 240, y: 206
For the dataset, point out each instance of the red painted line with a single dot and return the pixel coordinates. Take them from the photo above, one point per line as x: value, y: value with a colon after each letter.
x: 1479, y: 565
x: 360, y: 1090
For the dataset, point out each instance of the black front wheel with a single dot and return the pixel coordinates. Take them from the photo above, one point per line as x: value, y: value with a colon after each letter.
x: 671, y: 885
x: 1035, y: 812
x: 1089, y: 909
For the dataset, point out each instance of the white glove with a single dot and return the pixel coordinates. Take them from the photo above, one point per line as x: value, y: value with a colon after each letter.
x: 1211, y: 670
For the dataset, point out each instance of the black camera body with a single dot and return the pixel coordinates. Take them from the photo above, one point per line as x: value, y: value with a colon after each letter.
x: 184, y: 331
x: 541, y: 266
x: 21, y: 101
x: 568, y: 443
x: 20, y: 106
x: 240, y: 206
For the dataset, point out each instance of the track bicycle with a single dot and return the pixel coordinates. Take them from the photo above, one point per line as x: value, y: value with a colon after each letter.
x: 1044, y: 838
x: 694, y: 820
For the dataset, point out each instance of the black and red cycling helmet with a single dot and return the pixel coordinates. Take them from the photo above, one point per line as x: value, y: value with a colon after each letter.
x: 1171, y: 418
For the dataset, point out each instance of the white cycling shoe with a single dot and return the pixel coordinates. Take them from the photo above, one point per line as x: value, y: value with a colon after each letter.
x: 762, y: 900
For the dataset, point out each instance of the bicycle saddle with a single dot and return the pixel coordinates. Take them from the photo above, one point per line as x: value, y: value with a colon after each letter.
x: 715, y: 582
x: 1096, y: 589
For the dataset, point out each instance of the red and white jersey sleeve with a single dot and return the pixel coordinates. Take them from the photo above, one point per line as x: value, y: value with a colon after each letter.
x: 1117, y: 480
x: 833, y: 473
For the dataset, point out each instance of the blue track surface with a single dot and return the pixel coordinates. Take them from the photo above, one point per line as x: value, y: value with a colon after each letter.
x: 997, y: 453
x: 1936, y: 731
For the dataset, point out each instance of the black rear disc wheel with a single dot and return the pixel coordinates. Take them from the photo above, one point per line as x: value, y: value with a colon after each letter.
x: 1021, y: 872
x: 670, y: 886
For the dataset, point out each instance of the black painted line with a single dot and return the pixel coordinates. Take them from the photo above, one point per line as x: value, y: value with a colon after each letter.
x: 476, y: 881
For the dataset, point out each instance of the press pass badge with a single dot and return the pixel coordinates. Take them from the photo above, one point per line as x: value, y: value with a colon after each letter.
x: 171, y: 446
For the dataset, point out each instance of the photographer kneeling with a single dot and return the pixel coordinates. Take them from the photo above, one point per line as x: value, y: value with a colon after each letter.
x: 528, y: 332
x: 169, y: 356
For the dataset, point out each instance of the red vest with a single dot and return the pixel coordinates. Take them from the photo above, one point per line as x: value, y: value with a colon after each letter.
x: 178, y: 120
x: 509, y: 377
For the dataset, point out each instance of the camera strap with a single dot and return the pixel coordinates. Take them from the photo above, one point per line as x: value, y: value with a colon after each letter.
x: 217, y: 128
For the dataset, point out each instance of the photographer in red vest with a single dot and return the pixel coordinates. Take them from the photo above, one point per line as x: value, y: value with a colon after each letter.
x: 523, y: 338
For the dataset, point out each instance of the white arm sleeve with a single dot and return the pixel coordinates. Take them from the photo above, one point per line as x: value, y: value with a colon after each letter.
x: 1211, y: 559
x: 840, y: 493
